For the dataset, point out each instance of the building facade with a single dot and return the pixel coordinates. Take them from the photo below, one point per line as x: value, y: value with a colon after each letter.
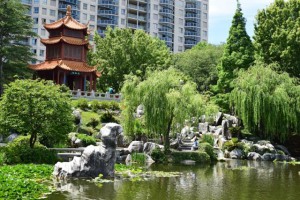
x: 180, y: 23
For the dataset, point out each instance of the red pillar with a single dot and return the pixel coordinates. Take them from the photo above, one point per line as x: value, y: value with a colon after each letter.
x: 91, y: 82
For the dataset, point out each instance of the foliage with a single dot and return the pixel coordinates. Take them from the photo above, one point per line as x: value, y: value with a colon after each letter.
x: 267, y: 102
x: 107, y: 117
x: 277, y: 36
x: 82, y: 104
x: 15, y: 27
x: 86, y: 139
x: 87, y: 130
x: 208, y: 148
x: 2, y: 156
x: 122, y: 52
x: 197, y: 156
x: 238, y: 52
x: 37, y: 108
x: 93, y: 123
x: 168, y: 98
x: 235, y: 131
x: 158, y: 155
x: 207, y: 138
x: 25, y: 181
x: 19, y: 151
x: 139, y: 158
x: 200, y: 63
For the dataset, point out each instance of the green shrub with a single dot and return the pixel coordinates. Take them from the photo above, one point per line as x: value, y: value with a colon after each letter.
x: 108, y: 117
x: 207, y: 148
x: 86, y: 139
x: 229, y: 145
x: 235, y: 131
x: 95, y: 105
x: 82, y: 104
x: 87, y: 130
x: 138, y: 158
x: 93, y: 122
x: 114, y: 105
x: 19, y: 151
x: 104, y: 105
x: 208, y: 138
x: 199, y: 157
x: 158, y: 155
x: 2, y: 155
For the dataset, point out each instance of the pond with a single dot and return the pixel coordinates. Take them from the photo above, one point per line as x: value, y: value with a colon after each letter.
x: 233, y: 179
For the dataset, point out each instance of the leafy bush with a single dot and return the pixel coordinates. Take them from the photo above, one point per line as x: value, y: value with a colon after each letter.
x: 235, y: 131
x: 93, y: 122
x: 95, y: 105
x: 104, y: 105
x: 114, y: 105
x: 208, y: 138
x: 86, y: 139
x: 138, y: 158
x: 229, y: 145
x: 25, y: 181
x: 1, y: 156
x: 108, y: 117
x: 19, y: 151
x: 82, y: 104
x: 158, y: 155
x: 207, y: 148
x: 87, y: 130
x: 199, y: 157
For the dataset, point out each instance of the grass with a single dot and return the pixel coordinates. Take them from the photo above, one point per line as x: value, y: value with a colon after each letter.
x: 25, y: 181
x: 86, y: 117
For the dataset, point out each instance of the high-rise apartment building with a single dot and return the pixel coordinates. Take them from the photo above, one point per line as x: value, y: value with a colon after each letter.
x: 180, y: 23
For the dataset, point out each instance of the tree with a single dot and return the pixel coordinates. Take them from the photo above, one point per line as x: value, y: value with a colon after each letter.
x: 37, y: 108
x: 277, y: 34
x: 168, y: 98
x: 267, y: 102
x: 15, y: 28
x: 122, y: 52
x: 238, y: 52
x: 200, y: 63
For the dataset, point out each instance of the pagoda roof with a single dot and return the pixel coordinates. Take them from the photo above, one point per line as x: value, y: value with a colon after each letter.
x: 69, y: 40
x: 67, y: 21
x: 66, y: 65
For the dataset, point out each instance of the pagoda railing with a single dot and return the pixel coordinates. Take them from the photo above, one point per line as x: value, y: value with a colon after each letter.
x: 92, y: 95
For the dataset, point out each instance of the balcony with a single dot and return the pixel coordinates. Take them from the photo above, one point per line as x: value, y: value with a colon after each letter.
x: 139, y: 8
x: 27, y: 2
x: 169, y: 2
x: 107, y: 12
x: 106, y: 2
x: 70, y: 1
x: 106, y: 22
x: 166, y: 20
x: 167, y: 11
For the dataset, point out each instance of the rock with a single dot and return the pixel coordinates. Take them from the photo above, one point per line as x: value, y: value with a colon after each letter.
x: 268, y: 157
x: 11, y: 137
x: 148, y: 159
x: 218, y: 119
x: 136, y: 146
x: 149, y: 147
x: 185, y: 131
x: 226, y: 154
x: 218, y: 131
x: 212, y: 129
x: 128, y: 159
x: 262, y: 147
x: 225, y: 129
x: 124, y: 151
x: 174, y: 144
x: 202, y: 119
x: 236, y: 154
x: 76, y: 113
x: 94, y: 160
x: 254, y: 156
x: 203, y: 127
x: 78, y: 143
x: 282, y: 148
x: 140, y: 111
x: 263, y: 142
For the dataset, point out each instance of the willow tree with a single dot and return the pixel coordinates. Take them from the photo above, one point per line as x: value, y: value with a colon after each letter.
x: 168, y: 98
x: 267, y: 102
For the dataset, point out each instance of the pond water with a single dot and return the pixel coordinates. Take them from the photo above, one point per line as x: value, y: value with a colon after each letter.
x: 233, y: 179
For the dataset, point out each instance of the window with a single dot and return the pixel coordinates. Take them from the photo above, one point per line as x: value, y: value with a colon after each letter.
x: 92, y: 27
x: 45, y: 2
x: 205, y: 33
x: 43, y: 32
x: 33, y: 41
x: 180, y: 21
x: 155, y: 16
x: 84, y: 6
x: 205, y: 15
x: 44, y: 21
x: 52, y: 13
x: 180, y: 39
x: 36, y: 10
x: 155, y: 26
x: 84, y: 16
x: 44, y: 11
x: 35, y: 30
x: 204, y: 24
x: 205, y: 6
x: 180, y: 30
x: 35, y: 20
x: 92, y: 18
x: 36, y: 1
x: 123, y: 21
x: 72, y: 52
x: 155, y: 7
x: 42, y: 52
x: 33, y: 51
x: 53, y: 2
x: 92, y: 8
x: 123, y: 11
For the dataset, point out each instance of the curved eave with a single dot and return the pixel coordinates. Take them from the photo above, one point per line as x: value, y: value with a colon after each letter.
x: 66, y: 40
x: 68, y: 22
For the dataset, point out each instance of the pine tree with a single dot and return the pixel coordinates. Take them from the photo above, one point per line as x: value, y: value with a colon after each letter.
x: 238, y: 52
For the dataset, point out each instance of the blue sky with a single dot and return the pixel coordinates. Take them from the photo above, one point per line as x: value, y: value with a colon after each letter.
x: 221, y: 13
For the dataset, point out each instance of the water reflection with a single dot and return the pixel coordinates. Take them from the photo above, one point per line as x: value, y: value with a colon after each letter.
x: 234, y: 179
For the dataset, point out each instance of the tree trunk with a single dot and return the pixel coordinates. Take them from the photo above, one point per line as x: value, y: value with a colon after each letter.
x: 32, y: 140
x: 167, y: 140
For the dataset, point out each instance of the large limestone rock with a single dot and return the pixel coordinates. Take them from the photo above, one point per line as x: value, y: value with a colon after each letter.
x: 140, y: 111
x: 150, y: 146
x: 203, y: 127
x: 236, y: 154
x: 218, y: 119
x: 95, y: 160
x: 136, y: 146
x: 77, y: 115
x: 254, y: 156
x: 11, y: 137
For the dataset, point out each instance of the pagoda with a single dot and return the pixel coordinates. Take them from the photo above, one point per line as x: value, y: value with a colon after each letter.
x: 66, y: 50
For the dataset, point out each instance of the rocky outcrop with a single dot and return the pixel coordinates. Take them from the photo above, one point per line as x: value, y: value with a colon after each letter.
x: 11, y: 137
x: 236, y: 154
x: 254, y: 156
x: 136, y: 146
x: 94, y: 160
